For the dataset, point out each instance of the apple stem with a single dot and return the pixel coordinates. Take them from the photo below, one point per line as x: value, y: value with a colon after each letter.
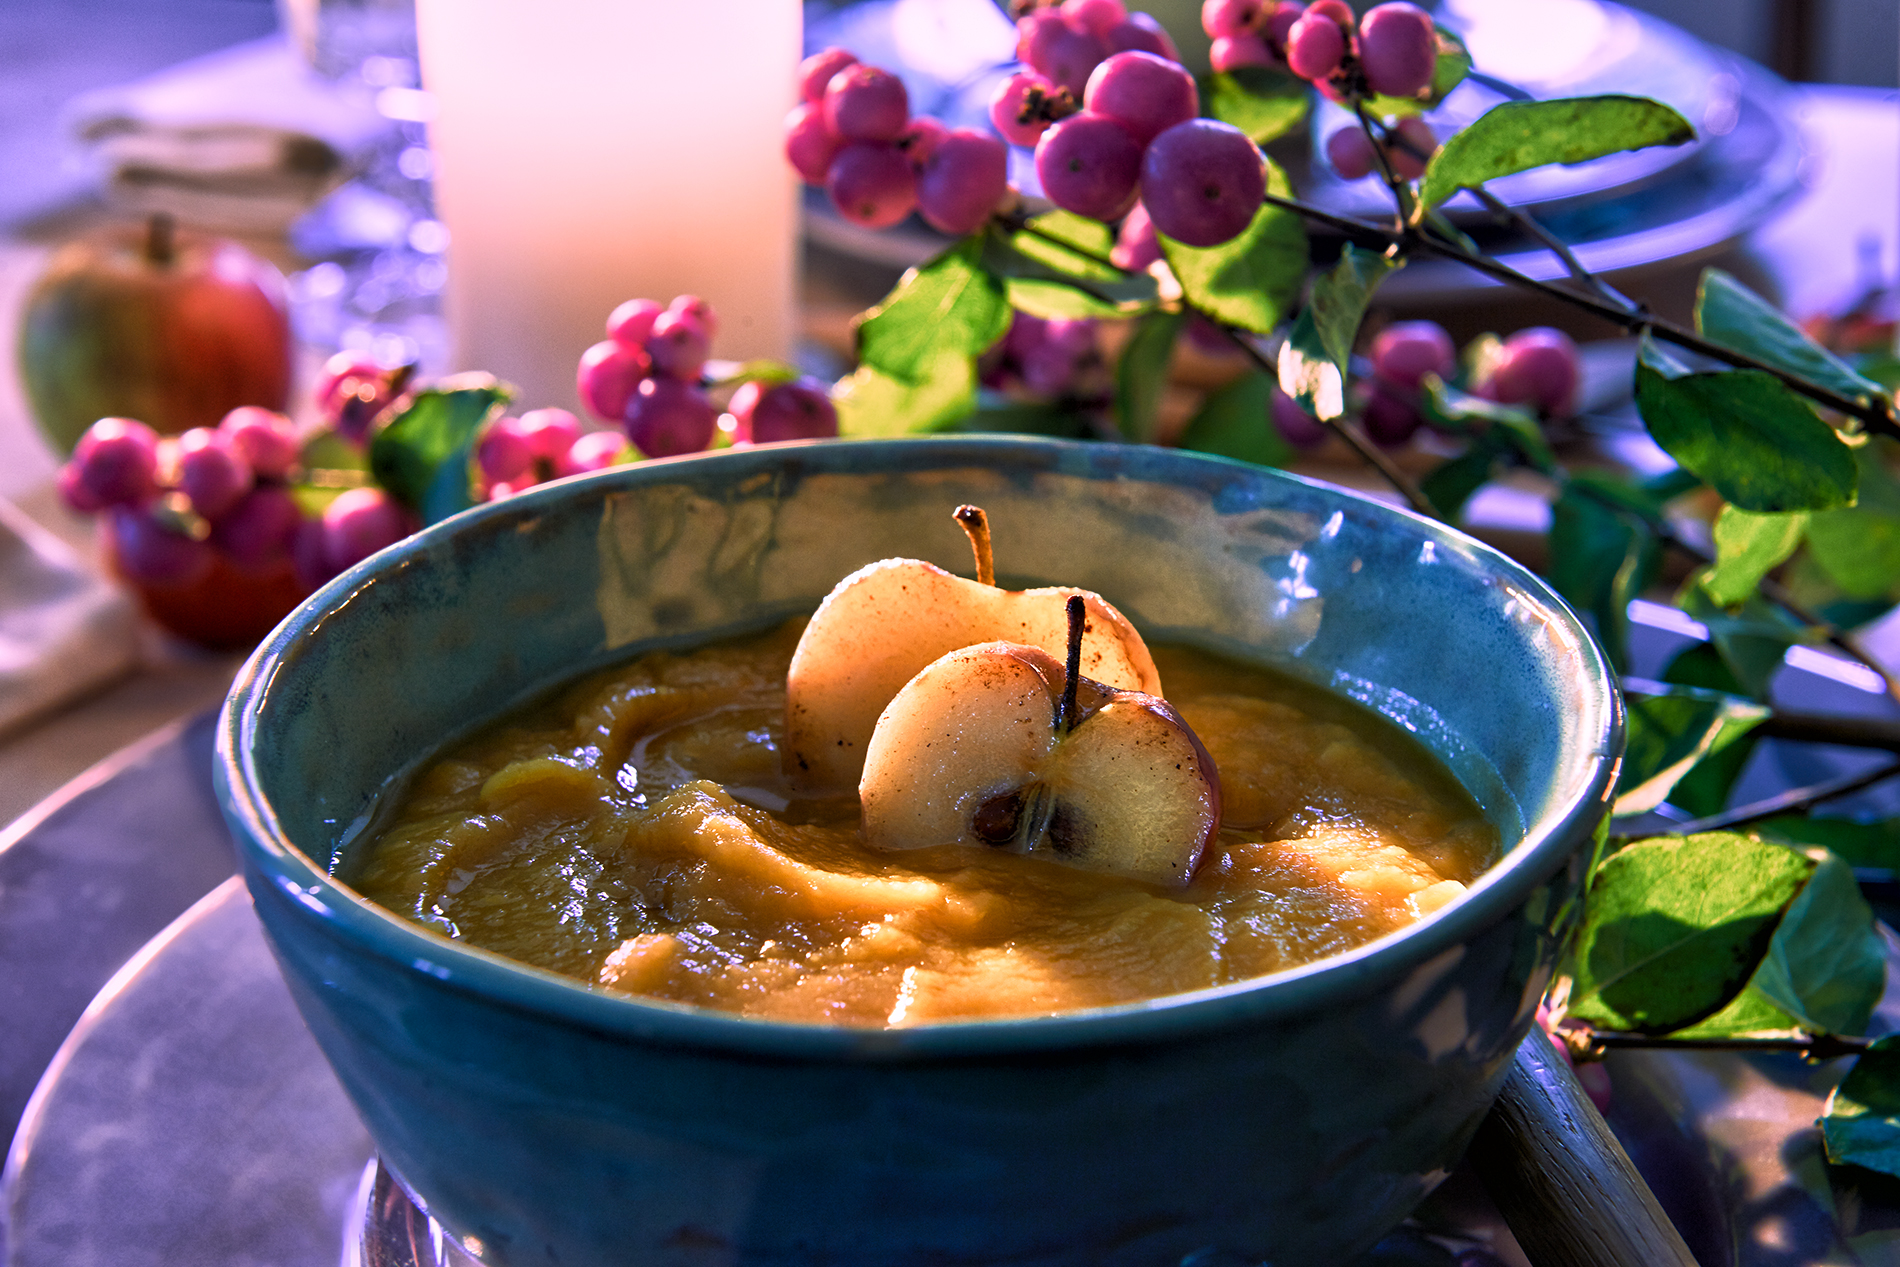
x: 976, y: 526
x: 160, y: 243
x: 1072, y: 671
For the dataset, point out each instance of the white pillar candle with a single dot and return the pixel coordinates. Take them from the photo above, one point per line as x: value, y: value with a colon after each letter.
x: 593, y: 151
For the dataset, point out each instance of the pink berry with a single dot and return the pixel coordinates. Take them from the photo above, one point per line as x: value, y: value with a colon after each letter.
x: 920, y: 139
x: 770, y: 412
x: 608, y: 373
x: 1048, y: 367
x: 595, y: 451
x: 1390, y: 420
x: 1350, y: 152
x: 817, y: 70
x: 699, y: 310
x: 503, y: 452
x: 1140, y: 33
x: 1315, y: 45
x: 1144, y: 93
x: 73, y: 491
x: 259, y: 532
x: 117, y: 462
x: 1060, y: 52
x: 307, y: 557
x: 1098, y: 17
x: 504, y: 489
x: 962, y: 181
x: 1021, y: 107
x: 337, y: 371
x: 667, y: 417
x: 360, y: 522
x: 1398, y: 49
x: 210, y: 472
x: 1538, y: 367
x: 1224, y: 19
x: 631, y: 322
x: 810, y: 145
x: 1202, y: 181
x: 1297, y: 427
x: 265, y: 439
x: 1026, y: 333
x: 1232, y: 52
x: 149, y: 552
x: 1089, y: 164
x: 865, y: 103
x: 1412, y: 148
x: 872, y: 185
x: 550, y: 433
x: 1338, y: 10
x: 678, y: 346
x: 1135, y: 245
x: 1405, y: 352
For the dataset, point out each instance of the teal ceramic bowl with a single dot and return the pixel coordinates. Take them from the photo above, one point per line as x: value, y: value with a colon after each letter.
x: 1290, y: 1119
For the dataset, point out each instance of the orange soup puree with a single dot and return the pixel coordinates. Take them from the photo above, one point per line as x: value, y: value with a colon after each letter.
x: 633, y: 832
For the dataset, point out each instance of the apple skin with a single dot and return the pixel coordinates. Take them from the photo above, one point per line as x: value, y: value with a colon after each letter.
x: 229, y: 608
x: 177, y: 342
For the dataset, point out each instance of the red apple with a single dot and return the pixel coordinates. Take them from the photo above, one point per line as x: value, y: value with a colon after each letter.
x: 173, y: 329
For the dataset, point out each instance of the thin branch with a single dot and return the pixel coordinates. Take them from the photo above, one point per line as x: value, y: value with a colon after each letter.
x: 1401, y: 193
x: 1794, y: 801
x: 1592, y: 1043
x: 1877, y: 415
x: 1879, y: 733
x: 1556, y: 246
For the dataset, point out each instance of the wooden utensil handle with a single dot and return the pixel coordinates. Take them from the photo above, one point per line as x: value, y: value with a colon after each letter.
x: 1571, y: 1194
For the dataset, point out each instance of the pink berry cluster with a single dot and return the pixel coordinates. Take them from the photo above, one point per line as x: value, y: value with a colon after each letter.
x: 1064, y: 42
x: 1053, y: 357
x: 543, y: 444
x: 354, y: 389
x: 175, y: 505
x: 645, y: 376
x: 852, y: 133
x: 1136, y: 135
x: 1535, y: 368
x: 648, y: 376
x: 1391, y: 52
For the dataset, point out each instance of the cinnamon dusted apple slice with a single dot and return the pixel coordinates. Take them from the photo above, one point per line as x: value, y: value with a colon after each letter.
x: 1000, y: 745
x: 882, y: 624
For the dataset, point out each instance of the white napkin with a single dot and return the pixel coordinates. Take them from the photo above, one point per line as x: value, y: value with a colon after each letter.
x: 63, y: 630
x: 242, y: 140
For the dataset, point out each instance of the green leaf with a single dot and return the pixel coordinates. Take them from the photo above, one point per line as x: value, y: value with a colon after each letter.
x: 1826, y: 965
x: 1458, y: 410
x: 1705, y: 789
x: 1676, y: 926
x: 1091, y: 241
x: 1264, y: 103
x: 1752, y: 639
x: 1141, y: 375
x: 1253, y: 280
x: 1669, y: 734
x: 1029, y: 417
x: 1859, y: 550
x: 1052, y: 299
x: 1237, y: 422
x: 1860, y: 1124
x: 1750, y: 1012
x: 1755, y: 442
x: 1341, y: 295
x: 1875, y: 844
x: 1728, y: 313
x: 949, y: 305
x: 1602, y: 553
x: 872, y: 403
x: 421, y: 457
x: 1451, y: 484
x: 1519, y: 135
x: 1308, y: 372
x: 1700, y: 664
x: 1747, y: 547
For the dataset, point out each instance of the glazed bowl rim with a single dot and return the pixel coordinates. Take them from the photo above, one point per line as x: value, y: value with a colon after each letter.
x: 277, y: 863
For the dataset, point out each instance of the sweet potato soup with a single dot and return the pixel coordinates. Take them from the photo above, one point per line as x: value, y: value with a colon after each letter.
x: 634, y: 832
